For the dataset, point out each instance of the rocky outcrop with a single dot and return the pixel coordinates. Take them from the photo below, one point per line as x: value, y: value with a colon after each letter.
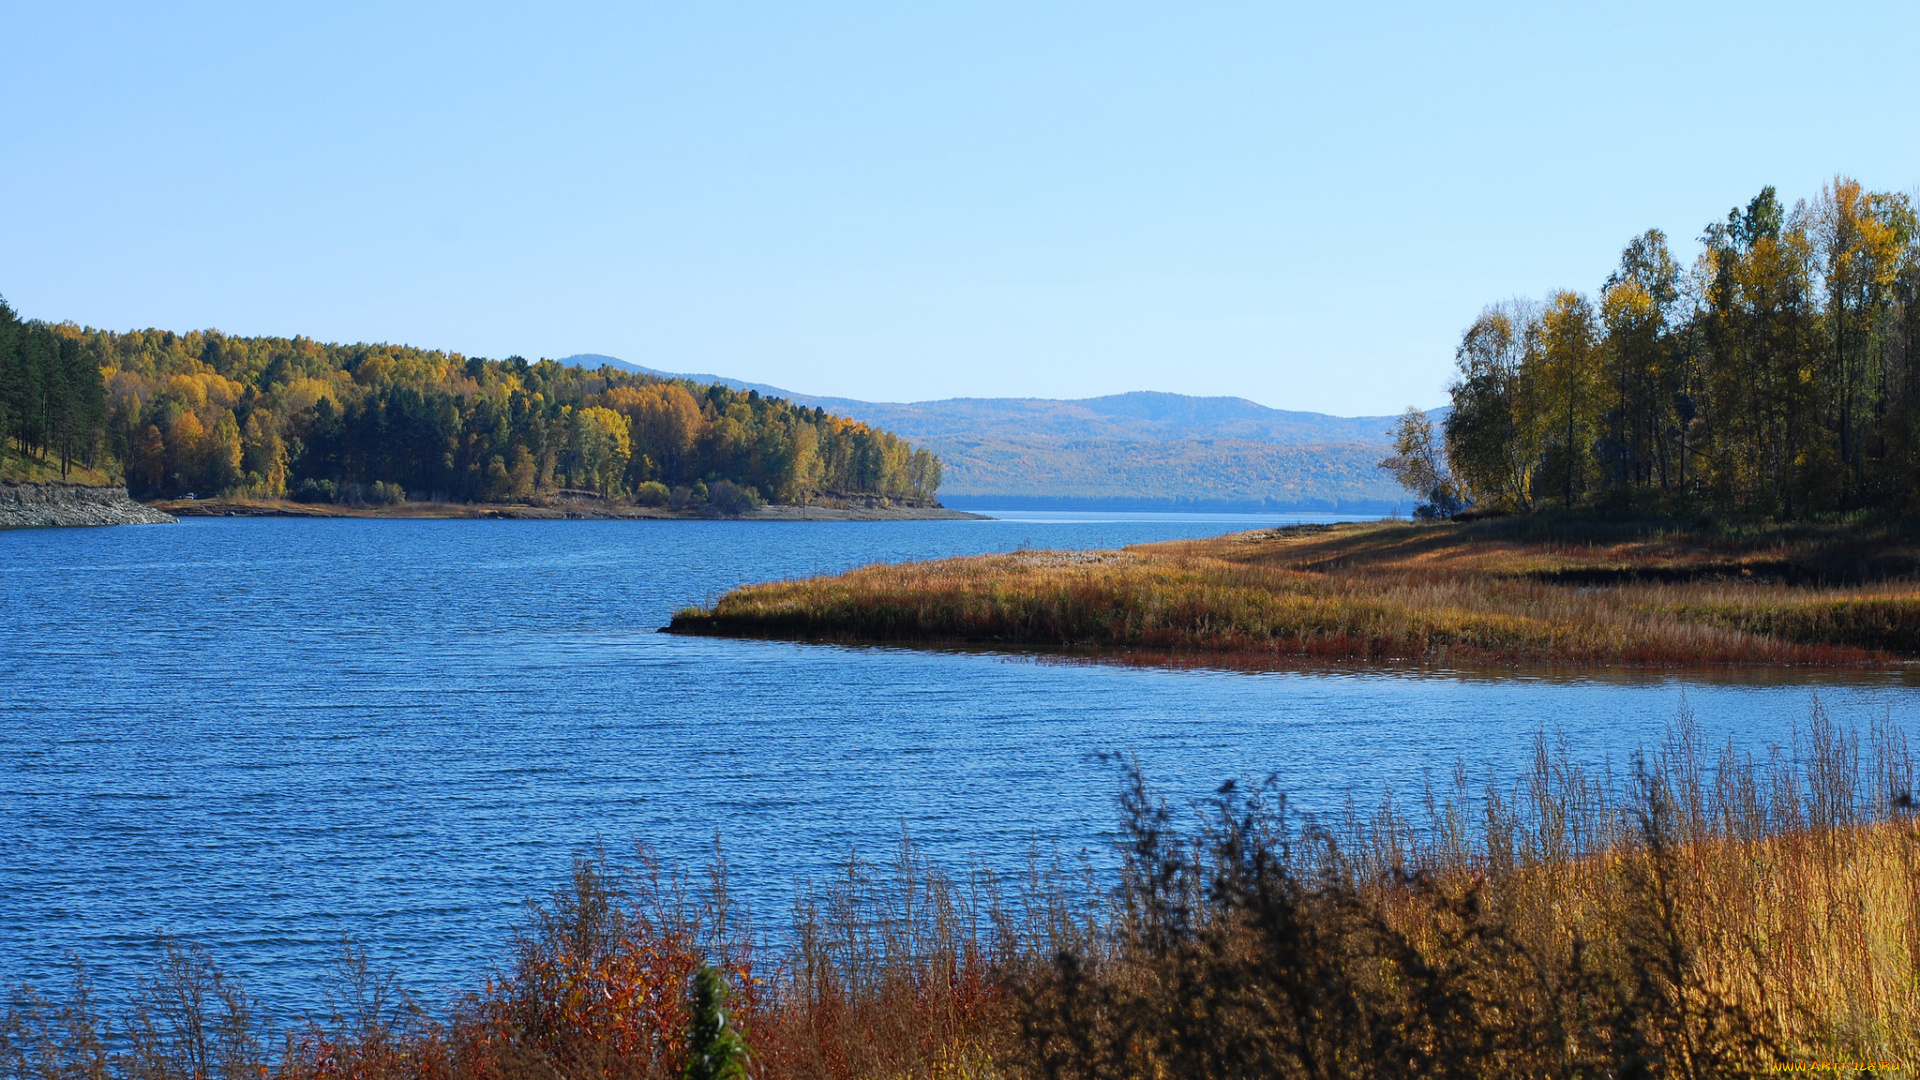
x: 25, y: 505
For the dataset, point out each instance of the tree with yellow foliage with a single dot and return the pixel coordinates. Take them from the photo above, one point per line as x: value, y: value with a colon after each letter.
x: 1779, y: 377
x: 602, y: 447
x: 210, y: 413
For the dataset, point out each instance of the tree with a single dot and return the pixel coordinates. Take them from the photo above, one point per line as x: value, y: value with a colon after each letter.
x: 1419, y: 464
x: 150, y: 462
x: 1861, y: 239
x: 804, y: 467
x: 715, y: 1050
x: 1489, y: 440
x: 264, y: 456
x: 666, y: 423
x: 1780, y: 376
x: 603, y: 446
x: 224, y: 455
x: 76, y: 401
x: 12, y: 376
x: 1568, y: 377
x: 1760, y: 428
x: 1641, y: 376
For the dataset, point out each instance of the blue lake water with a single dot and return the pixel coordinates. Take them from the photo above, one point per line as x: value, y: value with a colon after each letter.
x: 265, y: 734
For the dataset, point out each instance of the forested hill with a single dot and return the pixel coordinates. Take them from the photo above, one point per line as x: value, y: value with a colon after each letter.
x: 1141, y: 416
x: 1142, y: 449
x: 208, y: 413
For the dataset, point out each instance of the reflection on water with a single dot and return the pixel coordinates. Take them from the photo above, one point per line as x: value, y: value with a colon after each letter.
x: 1811, y: 679
x: 266, y: 733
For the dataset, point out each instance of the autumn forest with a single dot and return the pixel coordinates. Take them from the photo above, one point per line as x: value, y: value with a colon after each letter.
x: 209, y: 414
x: 1778, y: 376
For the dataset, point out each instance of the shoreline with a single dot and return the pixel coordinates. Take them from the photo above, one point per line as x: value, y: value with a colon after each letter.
x: 564, y: 508
x: 57, y: 505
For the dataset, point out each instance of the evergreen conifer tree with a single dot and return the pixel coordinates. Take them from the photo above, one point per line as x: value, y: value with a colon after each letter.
x: 715, y: 1050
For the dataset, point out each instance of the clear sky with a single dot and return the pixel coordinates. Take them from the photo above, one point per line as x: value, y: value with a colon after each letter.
x: 1301, y: 205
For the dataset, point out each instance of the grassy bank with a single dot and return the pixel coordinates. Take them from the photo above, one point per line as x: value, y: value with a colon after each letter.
x: 1492, y: 591
x: 1706, y: 915
x: 16, y: 468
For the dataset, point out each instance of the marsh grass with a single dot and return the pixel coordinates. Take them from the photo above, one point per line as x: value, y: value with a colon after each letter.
x: 1693, y: 920
x: 1702, y: 913
x: 1477, y: 593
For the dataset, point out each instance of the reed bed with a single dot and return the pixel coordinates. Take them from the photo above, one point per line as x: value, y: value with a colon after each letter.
x: 1436, y: 594
x: 1702, y: 914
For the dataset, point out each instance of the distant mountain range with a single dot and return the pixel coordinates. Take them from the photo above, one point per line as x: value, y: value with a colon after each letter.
x: 1142, y: 450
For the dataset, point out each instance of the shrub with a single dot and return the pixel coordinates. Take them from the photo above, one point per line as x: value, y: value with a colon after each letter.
x: 316, y: 491
x: 733, y: 500
x: 385, y: 494
x: 652, y: 493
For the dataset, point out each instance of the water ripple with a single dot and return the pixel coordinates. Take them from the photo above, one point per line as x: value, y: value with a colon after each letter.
x: 267, y: 734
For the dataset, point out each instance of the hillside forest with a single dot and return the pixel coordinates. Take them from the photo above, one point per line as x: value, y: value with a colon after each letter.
x: 266, y: 417
x: 1777, y: 376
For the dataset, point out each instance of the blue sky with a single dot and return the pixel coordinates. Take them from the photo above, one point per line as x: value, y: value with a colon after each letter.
x: 1300, y: 205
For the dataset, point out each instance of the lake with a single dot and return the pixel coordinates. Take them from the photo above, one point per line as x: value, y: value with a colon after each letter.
x: 264, y: 734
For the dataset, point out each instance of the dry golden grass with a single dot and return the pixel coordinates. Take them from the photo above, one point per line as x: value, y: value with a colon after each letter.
x: 1475, y: 593
x: 19, y: 469
x: 1798, y: 922
x: 1696, y: 920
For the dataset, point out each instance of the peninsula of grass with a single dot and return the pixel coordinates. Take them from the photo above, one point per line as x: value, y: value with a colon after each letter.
x: 1551, y: 591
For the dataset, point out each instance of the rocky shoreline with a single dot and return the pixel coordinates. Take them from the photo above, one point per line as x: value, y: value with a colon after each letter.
x: 44, y: 505
x: 571, y: 506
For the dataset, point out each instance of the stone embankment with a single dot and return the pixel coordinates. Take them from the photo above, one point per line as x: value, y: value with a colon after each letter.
x: 26, y: 505
x: 570, y: 505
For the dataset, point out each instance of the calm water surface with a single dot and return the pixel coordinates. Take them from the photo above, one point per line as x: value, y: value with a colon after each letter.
x: 265, y: 734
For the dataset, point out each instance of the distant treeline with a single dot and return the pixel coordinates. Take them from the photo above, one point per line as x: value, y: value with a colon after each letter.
x: 206, y: 413
x: 1777, y: 376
